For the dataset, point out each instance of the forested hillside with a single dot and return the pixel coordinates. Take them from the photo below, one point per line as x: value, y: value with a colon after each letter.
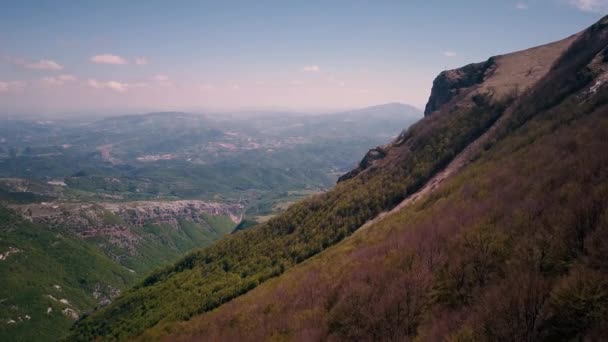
x: 507, y: 243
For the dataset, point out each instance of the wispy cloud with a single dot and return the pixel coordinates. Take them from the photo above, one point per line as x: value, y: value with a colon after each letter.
x: 141, y: 61
x: 111, y: 85
x: 311, y: 68
x: 107, y: 58
x: 43, y: 64
x: 58, y: 80
x: 599, y: 6
x: 160, y: 78
x: 449, y: 53
x: 336, y: 81
x: 10, y: 86
x: 206, y: 87
x: 521, y: 6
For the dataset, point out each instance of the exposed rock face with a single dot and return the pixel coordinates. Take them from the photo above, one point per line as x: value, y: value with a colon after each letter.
x: 70, y: 313
x: 105, y: 294
x: 450, y: 83
x: 497, y: 80
x: 117, y: 220
x: 368, y: 161
x: 141, y: 213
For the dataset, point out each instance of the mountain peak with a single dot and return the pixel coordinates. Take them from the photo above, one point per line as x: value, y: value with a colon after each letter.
x: 499, y: 76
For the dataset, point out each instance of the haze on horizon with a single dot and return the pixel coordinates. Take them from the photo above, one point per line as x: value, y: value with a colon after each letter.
x: 113, y: 56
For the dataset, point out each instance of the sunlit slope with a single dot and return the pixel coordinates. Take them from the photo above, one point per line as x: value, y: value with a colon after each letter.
x: 566, y: 93
x: 511, y: 248
x: 47, y: 277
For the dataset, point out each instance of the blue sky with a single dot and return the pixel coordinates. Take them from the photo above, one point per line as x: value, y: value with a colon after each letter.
x: 126, y: 56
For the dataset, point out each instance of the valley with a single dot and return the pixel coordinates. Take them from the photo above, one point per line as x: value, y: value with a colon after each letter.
x: 126, y: 195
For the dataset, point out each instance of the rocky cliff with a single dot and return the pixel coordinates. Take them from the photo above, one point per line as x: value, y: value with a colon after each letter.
x: 368, y: 161
x: 476, y: 86
x: 119, y: 222
x: 451, y: 83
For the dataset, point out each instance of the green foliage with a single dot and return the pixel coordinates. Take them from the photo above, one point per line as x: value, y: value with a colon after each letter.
x: 579, y: 303
x: 208, y: 157
x: 245, y: 224
x: 475, y: 259
x: 110, y: 218
x: 206, y: 279
x: 46, y: 259
x: 513, y: 248
x: 52, y: 262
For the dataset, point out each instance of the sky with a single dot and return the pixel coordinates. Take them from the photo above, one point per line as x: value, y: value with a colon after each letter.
x: 110, y: 56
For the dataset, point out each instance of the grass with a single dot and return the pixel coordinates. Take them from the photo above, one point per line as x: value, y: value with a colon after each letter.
x: 50, y: 257
x: 47, y: 259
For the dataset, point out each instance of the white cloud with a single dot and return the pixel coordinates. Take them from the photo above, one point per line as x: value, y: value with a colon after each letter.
x: 111, y: 85
x: 521, y: 6
x: 334, y: 80
x: 10, y: 86
x: 59, y: 80
x: 141, y: 61
x: 599, y: 6
x: 206, y: 87
x: 107, y: 58
x: 311, y: 68
x: 449, y: 53
x: 67, y: 78
x: 43, y: 64
x: 117, y: 86
x: 160, y: 78
x: 162, y: 81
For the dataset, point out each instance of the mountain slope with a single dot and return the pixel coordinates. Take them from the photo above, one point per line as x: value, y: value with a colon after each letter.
x: 511, y: 248
x: 241, y: 261
x: 73, y: 257
x: 496, y: 120
x: 49, y: 279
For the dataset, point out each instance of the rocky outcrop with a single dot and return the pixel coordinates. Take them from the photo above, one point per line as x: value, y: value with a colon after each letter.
x: 451, y: 83
x: 495, y: 81
x: 116, y: 221
x: 105, y: 294
x: 368, y: 161
x: 141, y: 213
